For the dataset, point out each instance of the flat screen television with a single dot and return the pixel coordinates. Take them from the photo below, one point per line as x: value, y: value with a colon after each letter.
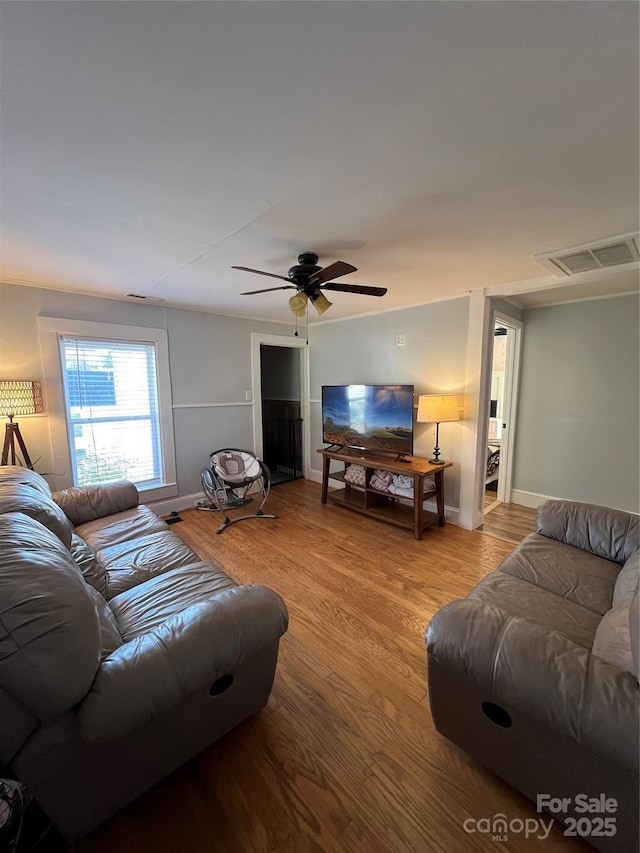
x: 369, y: 417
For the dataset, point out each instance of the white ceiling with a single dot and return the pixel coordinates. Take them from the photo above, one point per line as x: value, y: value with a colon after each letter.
x: 436, y: 146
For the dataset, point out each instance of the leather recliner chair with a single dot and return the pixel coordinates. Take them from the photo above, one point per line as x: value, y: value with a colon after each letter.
x: 535, y: 672
x: 122, y: 654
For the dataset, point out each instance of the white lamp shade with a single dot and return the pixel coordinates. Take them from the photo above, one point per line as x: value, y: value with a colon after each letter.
x: 437, y: 408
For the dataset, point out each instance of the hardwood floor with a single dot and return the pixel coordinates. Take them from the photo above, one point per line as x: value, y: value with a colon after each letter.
x: 345, y: 757
x: 510, y: 522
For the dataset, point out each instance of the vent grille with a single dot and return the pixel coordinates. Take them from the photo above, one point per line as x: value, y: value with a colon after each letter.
x: 594, y: 256
x: 146, y: 298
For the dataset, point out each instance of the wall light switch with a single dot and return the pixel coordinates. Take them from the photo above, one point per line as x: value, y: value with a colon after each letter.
x: 248, y: 396
x: 401, y: 340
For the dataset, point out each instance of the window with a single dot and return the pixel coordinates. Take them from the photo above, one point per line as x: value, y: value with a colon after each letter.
x: 110, y: 385
x: 112, y: 407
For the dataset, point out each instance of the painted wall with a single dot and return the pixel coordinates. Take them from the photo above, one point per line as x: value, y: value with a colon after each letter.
x: 577, y: 434
x: 433, y: 360
x: 280, y: 373
x: 209, y: 359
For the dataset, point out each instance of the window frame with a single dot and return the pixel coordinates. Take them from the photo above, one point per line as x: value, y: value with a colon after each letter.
x: 51, y: 329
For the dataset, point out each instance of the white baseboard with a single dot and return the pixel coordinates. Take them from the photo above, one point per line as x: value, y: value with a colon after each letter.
x: 530, y: 499
x: 314, y: 475
x: 176, y: 504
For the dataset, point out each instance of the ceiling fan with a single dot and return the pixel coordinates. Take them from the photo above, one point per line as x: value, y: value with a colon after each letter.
x: 310, y: 280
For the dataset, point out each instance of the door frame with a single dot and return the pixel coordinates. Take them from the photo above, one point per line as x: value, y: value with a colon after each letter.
x: 257, y: 340
x: 511, y: 386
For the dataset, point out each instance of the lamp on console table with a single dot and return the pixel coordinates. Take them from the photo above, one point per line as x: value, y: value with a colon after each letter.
x: 18, y: 397
x: 436, y: 409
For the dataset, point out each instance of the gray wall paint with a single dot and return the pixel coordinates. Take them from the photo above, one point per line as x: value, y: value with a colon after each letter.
x: 506, y: 308
x: 280, y: 373
x: 364, y: 351
x: 209, y: 361
x: 577, y: 434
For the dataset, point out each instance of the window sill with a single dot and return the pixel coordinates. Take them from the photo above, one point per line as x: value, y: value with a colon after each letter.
x: 157, y: 493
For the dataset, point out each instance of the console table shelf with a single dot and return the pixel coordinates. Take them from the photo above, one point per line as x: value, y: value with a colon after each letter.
x: 402, y: 511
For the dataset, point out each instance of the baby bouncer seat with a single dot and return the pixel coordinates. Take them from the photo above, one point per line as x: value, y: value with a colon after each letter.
x: 235, y: 479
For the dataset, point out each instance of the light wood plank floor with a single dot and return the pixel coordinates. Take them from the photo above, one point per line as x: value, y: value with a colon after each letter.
x: 345, y: 757
x: 510, y: 522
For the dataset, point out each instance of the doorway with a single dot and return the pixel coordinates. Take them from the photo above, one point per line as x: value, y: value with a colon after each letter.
x: 503, y: 388
x: 281, y: 394
x: 280, y: 382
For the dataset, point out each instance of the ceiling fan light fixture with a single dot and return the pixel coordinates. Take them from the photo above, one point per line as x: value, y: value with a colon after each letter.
x: 320, y: 302
x: 298, y: 304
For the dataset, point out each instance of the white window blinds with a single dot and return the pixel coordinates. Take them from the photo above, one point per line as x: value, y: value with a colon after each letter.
x: 111, y: 402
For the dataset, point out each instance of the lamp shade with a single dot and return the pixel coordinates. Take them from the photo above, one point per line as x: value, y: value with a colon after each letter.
x: 321, y: 303
x: 437, y: 408
x: 298, y: 304
x: 20, y: 397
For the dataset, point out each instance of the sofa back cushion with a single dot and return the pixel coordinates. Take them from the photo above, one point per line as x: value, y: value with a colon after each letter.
x: 110, y: 636
x: 21, y: 497
x: 627, y: 581
x: 88, y: 561
x: 49, y: 629
x: 634, y: 631
x: 86, y: 503
x: 25, y: 477
x: 609, y: 533
x: 616, y: 635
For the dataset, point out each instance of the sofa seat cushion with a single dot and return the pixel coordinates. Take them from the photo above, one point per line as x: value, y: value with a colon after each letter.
x: 568, y: 572
x: 144, y: 607
x: 137, y: 560
x: 518, y: 597
x: 121, y: 527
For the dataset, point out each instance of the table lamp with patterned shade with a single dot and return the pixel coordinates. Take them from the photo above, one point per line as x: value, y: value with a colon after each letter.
x: 436, y: 409
x: 18, y: 397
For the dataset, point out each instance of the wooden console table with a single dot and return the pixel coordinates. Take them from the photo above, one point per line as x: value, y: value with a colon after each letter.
x: 402, y: 511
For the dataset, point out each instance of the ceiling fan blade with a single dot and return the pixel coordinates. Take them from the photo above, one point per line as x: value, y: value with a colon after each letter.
x: 356, y: 288
x: 260, y: 272
x: 269, y: 289
x: 332, y: 271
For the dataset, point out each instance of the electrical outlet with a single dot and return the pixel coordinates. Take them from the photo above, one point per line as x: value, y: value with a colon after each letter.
x: 401, y: 340
x: 248, y: 396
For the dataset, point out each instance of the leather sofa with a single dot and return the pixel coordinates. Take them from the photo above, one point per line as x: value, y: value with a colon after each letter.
x: 535, y: 672
x: 122, y: 654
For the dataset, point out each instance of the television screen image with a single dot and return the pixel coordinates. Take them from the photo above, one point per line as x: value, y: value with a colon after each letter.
x: 371, y: 417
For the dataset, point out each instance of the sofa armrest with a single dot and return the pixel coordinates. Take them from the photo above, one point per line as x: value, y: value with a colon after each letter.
x: 609, y: 533
x: 153, y: 673
x: 86, y: 503
x: 539, y: 673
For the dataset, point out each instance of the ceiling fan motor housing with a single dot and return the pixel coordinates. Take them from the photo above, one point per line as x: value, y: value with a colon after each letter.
x: 307, y: 265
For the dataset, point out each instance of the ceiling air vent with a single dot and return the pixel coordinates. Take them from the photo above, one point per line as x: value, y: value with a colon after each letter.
x: 146, y: 298
x: 592, y: 256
